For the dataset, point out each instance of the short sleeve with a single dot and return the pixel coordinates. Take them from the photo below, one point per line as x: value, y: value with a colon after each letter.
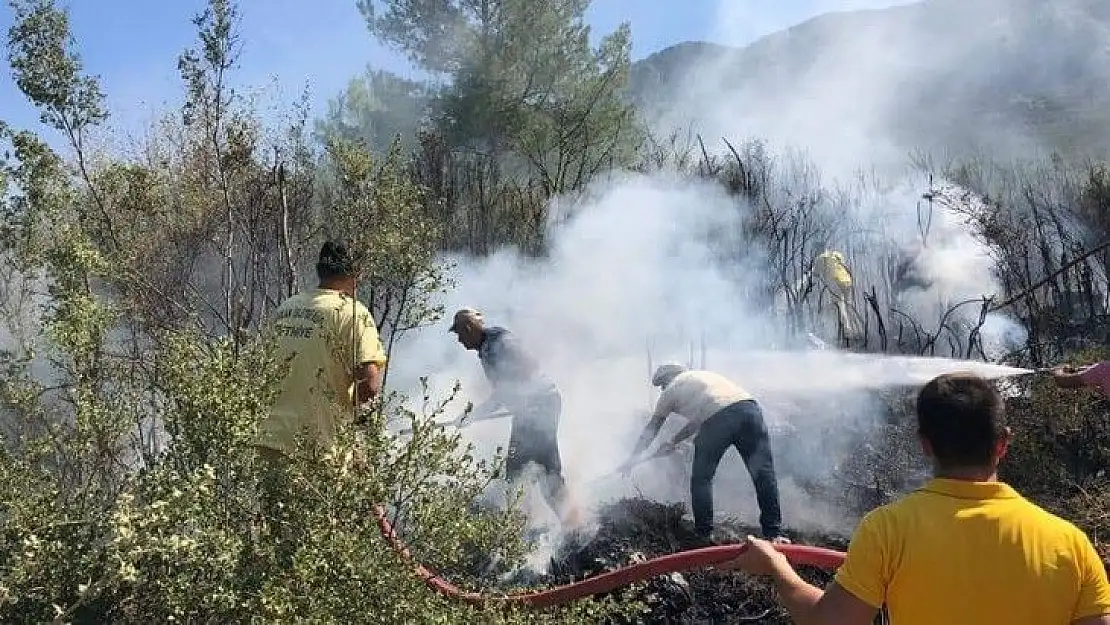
x: 368, y: 345
x: 1094, y: 590
x: 865, y: 572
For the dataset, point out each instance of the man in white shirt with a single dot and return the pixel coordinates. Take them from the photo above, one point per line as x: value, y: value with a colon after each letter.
x: 722, y: 415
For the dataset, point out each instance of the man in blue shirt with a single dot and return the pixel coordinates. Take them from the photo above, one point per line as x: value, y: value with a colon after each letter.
x: 521, y: 389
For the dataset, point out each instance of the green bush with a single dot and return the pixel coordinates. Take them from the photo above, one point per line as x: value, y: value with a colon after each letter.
x: 130, y: 491
x: 1061, y: 449
x: 183, y: 537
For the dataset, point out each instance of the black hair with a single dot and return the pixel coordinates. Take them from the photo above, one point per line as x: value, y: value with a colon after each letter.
x: 335, y: 261
x: 963, y: 417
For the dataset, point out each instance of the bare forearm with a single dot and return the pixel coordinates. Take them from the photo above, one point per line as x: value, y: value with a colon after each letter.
x: 648, y: 435
x: 799, y: 596
x: 370, y: 383
x: 686, y: 432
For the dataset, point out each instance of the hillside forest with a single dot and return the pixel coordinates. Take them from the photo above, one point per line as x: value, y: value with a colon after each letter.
x: 137, y: 283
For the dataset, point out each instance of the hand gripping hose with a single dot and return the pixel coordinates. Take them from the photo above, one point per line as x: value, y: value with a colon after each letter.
x: 673, y: 563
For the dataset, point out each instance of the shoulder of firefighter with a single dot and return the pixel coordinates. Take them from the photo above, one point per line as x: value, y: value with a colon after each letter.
x: 665, y: 404
x: 691, y: 392
x: 354, y: 323
x: 368, y: 342
x: 507, y: 364
x: 1054, y: 554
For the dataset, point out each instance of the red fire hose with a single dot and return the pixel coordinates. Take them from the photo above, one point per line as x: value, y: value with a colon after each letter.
x: 673, y: 563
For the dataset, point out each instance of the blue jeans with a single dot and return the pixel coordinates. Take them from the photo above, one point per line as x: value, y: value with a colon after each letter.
x: 741, y: 426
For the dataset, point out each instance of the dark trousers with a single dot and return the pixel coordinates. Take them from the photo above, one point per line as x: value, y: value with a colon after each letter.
x: 740, y: 425
x: 535, y: 438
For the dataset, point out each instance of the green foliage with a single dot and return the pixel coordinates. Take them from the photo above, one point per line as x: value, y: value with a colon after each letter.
x: 48, y: 72
x: 375, y: 109
x: 436, y: 36
x: 187, y: 537
x: 525, y: 85
x: 37, y: 184
x: 377, y: 207
x: 130, y: 490
x: 204, y: 70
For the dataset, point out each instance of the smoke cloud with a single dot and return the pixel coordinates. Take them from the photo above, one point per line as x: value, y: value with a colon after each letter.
x: 864, y: 88
x: 632, y: 280
x: 22, y: 300
x: 656, y: 269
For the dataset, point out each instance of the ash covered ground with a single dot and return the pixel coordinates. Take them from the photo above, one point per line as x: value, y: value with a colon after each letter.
x: 633, y: 528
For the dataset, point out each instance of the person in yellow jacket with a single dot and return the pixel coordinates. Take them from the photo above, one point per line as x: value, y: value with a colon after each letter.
x: 833, y: 273
x: 335, y: 357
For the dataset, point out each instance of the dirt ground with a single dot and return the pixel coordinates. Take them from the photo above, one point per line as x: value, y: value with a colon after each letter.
x: 639, y: 527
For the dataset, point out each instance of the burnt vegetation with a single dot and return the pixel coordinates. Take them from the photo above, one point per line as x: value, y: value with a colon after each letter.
x: 134, y: 285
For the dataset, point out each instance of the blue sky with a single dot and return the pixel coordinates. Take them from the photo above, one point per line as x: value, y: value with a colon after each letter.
x: 132, y: 45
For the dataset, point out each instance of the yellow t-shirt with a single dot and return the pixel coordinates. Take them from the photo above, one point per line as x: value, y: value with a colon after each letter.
x: 324, y: 334
x: 957, y: 552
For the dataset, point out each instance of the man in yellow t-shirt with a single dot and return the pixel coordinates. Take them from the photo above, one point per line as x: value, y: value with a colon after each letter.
x: 965, y: 548
x: 335, y: 357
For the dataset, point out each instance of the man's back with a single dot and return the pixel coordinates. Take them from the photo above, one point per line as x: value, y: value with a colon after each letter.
x: 508, y: 366
x: 697, y: 395
x: 323, y: 334
x: 974, y: 552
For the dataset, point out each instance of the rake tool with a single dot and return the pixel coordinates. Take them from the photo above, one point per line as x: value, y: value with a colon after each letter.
x: 658, y: 453
x: 458, y: 422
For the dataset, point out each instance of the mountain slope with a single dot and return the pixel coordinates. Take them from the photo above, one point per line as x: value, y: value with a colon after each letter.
x: 1007, y: 75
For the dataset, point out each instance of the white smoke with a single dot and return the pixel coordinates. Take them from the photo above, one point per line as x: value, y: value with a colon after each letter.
x: 23, y: 300
x: 624, y: 275
x: 929, y: 222
x: 633, y: 279
x: 860, y: 89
